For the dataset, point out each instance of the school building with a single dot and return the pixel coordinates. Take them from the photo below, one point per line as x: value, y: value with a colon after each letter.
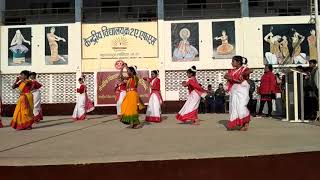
x: 62, y: 39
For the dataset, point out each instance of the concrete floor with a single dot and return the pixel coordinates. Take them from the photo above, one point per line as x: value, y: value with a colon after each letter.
x: 59, y: 140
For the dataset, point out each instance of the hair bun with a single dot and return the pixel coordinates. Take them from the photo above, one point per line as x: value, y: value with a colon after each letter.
x: 193, y: 69
x: 158, y: 71
x: 244, y: 60
x: 135, y: 68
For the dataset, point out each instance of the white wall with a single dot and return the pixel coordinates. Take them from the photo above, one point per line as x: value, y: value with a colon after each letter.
x: 38, y: 50
x: 253, y: 35
x: 249, y: 42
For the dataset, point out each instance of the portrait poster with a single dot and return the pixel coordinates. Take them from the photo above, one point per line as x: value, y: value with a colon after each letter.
x: 56, y: 45
x: 224, y: 41
x: 19, y: 46
x: 185, y: 42
x: 287, y: 44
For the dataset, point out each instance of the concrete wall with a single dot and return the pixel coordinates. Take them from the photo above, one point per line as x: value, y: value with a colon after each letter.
x: 38, y: 50
x: 249, y: 43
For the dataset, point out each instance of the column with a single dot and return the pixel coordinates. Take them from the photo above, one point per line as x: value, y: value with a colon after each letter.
x: 245, y: 8
x: 78, y: 10
x: 160, y: 9
x: 161, y: 45
x: 78, y: 19
x: 2, y: 9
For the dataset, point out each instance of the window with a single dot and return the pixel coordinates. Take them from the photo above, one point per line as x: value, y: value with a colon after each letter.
x: 39, y: 8
x: 201, y: 9
x: 112, y: 6
x: 261, y: 8
x: 61, y: 7
x: 196, y: 4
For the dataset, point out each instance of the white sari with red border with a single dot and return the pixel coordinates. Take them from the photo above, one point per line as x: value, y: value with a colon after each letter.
x: 83, y: 105
x: 37, y: 110
x: 189, y: 110
x: 153, y: 113
x: 239, y: 98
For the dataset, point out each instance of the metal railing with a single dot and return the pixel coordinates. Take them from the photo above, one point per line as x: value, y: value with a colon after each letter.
x: 260, y: 8
x: 202, y: 10
x: 38, y: 16
x: 119, y: 13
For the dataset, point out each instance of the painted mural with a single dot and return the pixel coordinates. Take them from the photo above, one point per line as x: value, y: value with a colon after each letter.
x: 56, y: 44
x: 185, y: 42
x: 19, y: 50
x: 224, y: 44
x: 289, y: 43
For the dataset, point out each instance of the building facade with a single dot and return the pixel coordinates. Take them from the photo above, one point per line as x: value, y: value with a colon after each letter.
x: 62, y: 39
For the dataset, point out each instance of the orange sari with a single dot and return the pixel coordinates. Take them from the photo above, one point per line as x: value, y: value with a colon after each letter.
x: 23, y: 113
x: 129, y: 108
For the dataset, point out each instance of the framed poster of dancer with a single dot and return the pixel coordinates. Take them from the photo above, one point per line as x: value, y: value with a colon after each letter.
x: 224, y: 41
x: 289, y: 43
x: 56, y: 45
x: 185, y: 42
x: 19, y: 46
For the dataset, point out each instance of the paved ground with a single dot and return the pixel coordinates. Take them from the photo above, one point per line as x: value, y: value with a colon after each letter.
x: 59, y: 140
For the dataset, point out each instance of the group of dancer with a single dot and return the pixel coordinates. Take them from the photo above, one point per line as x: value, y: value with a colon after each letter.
x: 237, y: 86
x: 28, y: 108
x: 129, y: 102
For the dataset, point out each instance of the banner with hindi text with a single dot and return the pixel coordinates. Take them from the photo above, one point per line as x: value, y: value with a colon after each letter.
x: 120, y: 40
x: 105, y: 87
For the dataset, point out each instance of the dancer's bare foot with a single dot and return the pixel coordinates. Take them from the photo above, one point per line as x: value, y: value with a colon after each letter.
x: 138, y: 126
x: 197, y: 122
x: 245, y: 127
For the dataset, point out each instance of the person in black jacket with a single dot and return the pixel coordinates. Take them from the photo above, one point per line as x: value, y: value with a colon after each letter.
x: 220, y: 99
x: 252, y: 102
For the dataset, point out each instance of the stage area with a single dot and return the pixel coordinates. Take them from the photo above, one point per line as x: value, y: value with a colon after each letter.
x: 103, y: 139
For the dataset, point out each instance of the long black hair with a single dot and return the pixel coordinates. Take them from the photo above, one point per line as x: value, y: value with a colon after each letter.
x: 192, y: 71
x: 241, y: 60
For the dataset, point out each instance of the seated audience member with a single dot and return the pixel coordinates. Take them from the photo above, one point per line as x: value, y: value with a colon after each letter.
x: 220, y: 99
x: 210, y: 99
